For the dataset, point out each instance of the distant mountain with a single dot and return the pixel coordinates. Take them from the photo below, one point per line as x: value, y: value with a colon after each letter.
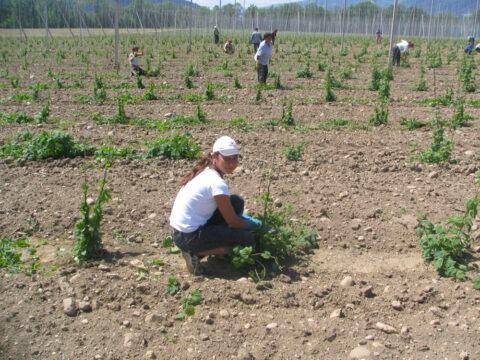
x: 456, y: 7
x: 177, y: 2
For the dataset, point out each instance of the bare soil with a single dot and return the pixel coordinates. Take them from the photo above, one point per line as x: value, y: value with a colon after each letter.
x: 358, y: 189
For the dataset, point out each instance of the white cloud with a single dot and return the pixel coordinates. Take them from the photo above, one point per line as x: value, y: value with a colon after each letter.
x: 259, y: 3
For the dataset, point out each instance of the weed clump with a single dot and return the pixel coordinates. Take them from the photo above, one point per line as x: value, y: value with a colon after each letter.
x: 48, y: 144
x: 174, y: 147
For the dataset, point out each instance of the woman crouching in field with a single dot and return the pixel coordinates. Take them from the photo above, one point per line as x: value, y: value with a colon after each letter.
x: 206, y: 219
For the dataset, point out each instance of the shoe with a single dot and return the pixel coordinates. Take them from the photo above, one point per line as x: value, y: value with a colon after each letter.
x: 192, y: 262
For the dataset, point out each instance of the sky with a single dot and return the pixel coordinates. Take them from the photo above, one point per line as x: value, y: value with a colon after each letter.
x: 259, y: 3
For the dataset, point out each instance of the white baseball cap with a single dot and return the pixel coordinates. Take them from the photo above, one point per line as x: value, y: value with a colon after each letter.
x: 226, y: 146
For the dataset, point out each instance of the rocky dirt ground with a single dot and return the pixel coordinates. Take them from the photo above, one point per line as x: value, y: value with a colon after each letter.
x: 363, y: 292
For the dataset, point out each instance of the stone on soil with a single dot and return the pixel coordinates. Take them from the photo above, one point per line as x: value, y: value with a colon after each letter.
x: 69, y: 307
x: 359, y: 352
x: 347, y: 282
x: 386, y: 328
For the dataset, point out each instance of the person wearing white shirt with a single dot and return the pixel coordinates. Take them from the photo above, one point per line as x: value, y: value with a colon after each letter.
x: 400, y: 48
x: 205, y: 218
x: 262, y: 56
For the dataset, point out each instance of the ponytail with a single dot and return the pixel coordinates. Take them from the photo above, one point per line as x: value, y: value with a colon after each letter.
x: 201, y: 165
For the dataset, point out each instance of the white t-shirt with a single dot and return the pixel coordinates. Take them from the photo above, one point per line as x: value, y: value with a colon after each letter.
x: 195, y: 202
x: 403, y: 45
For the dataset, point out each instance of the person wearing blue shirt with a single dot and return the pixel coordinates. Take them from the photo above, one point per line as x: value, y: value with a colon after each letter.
x: 256, y: 39
x: 262, y: 56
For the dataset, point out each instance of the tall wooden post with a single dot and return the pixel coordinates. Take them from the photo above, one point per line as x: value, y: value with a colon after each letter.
x: 430, y: 21
x: 117, y: 64
x: 190, y: 26
x: 343, y: 22
x: 46, y: 25
x: 392, y: 32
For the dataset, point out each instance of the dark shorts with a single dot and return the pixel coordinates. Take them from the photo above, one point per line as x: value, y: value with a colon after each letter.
x: 137, y: 70
x: 215, y: 233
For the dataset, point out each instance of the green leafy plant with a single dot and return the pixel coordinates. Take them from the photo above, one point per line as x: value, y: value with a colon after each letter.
x: 460, y: 119
x: 380, y: 117
x: 19, y: 118
x: 329, y: 95
x: 439, y: 150
x: 293, y: 153
x: 434, y: 57
x: 149, y: 94
x: 175, y: 147
x: 258, y: 96
x: 87, y: 230
x: 9, y: 256
x: 188, y: 82
x: 276, y: 83
x: 42, y: 116
x: 173, y: 286
x: 139, y: 82
x: 275, y: 240
x: 120, y: 117
x: 305, y: 72
x: 412, y: 123
x: 191, y: 71
x: 241, y: 124
x: 48, y: 144
x: 447, y: 244
x: 188, y: 304
x: 209, y: 93
x: 14, y: 82
x: 421, y: 84
x: 236, y: 83
x: 287, y: 117
x: 200, y: 114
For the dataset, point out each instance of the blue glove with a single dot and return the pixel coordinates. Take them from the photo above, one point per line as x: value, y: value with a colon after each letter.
x: 251, y: 222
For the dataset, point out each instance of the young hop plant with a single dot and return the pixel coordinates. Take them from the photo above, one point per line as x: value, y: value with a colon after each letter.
x: 447, y: 244
x: 87, y: 230
x: 277, y: 239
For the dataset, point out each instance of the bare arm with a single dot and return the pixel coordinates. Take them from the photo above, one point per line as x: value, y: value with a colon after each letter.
x: 226, y: 209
